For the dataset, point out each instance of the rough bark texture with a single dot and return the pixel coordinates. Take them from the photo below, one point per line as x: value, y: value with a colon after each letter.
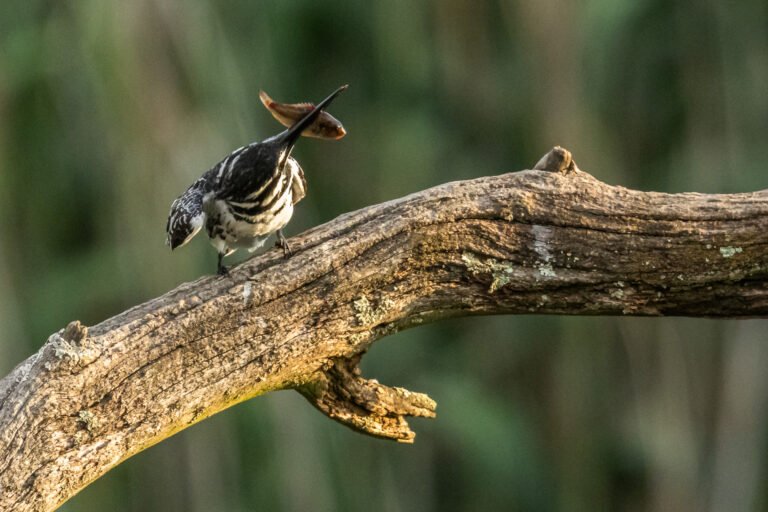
x: 553, y: 240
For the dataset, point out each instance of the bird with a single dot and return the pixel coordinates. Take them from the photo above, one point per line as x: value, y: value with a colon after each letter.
x: 247, y: 196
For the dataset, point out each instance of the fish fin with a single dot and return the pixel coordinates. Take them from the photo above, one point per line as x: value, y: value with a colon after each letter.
x: 265, y: 99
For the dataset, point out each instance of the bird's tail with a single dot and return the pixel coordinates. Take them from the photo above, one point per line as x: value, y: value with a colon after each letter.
x: 186, y: 216
x: 289, y: 137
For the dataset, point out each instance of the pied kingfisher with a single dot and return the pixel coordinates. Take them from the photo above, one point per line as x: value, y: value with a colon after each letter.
x: 247, y: 196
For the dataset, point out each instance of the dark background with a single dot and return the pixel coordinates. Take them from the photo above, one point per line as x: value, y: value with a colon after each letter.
x: 110, y: 109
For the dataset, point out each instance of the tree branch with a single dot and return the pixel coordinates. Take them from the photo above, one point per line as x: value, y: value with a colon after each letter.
x: 549, y: 241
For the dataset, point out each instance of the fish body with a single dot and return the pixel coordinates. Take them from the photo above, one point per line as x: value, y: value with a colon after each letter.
x: 324, y: 127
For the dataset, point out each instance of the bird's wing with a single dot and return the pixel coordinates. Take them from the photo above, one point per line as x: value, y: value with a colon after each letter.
x: 246, y: 172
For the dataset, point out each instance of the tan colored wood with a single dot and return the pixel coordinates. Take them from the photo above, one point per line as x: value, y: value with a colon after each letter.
x: 549, y: 241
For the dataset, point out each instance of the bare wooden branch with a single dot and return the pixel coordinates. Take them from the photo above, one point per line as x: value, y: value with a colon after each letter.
x: 339, y: 392
x: 551, y: 241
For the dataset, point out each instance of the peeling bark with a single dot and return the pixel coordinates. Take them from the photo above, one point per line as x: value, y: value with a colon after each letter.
x: 553, y: 240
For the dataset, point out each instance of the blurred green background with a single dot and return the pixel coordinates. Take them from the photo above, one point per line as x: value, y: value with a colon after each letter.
x: 109, y: 110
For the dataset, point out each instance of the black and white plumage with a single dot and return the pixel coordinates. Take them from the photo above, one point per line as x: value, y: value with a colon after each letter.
x: 247, y: 196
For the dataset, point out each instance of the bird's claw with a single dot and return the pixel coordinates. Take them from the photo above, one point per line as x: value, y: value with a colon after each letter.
x: 220, y: 268
x: 282, y: 242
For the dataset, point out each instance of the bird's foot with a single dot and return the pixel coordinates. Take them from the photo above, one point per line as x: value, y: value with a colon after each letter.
x: 220, y: 268
x: 282, y: 242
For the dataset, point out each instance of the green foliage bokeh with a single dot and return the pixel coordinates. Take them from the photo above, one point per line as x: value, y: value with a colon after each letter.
x: 108, y: 110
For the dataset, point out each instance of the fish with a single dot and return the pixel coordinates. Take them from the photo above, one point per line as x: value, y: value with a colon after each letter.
x: 325, y: 126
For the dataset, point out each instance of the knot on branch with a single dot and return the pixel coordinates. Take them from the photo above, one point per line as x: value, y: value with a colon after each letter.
x: 72, y: 345
x: 364, y: 405
x: 557, y: 160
